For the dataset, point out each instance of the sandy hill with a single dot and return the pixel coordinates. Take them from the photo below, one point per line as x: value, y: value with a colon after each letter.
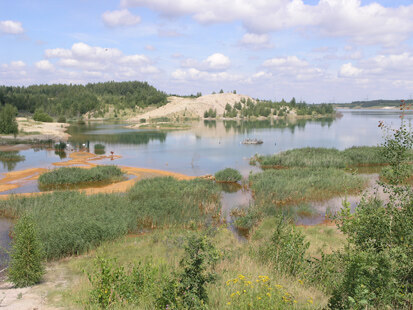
x: 193, y: 107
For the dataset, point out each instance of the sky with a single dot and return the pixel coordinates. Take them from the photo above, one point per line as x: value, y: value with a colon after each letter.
x: 313, y: 50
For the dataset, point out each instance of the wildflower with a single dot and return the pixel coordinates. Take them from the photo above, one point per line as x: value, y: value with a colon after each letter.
x: 228, y: 303
x: 259, y: 298
x: 238, y: 293
x: 233, y: 294
x: 245, y: 291
x: 268, y: 294
x: 310, y: 301
x: 241, y: 277
x: 300, y: 281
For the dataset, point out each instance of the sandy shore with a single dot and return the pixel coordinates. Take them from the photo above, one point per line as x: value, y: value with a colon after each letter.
x: 37, y: 131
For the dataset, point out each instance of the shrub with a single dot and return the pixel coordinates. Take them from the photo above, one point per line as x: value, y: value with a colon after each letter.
x: 99, y: 149
x: 61, y: 119
x: 286, y: 248
x: 60, y: 146
x: 26, y: 266
x: 8, y: 123
x: 75, y: 175
x: 189, y: 290
x: 228, y: 175
x: 11, y: 156
x: 41, y: 116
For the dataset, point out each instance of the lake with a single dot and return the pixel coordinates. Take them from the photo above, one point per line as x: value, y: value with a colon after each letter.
x: 213, y: 145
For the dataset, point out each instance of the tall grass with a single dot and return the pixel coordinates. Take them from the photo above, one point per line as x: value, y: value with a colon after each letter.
x: 75, y: 175
x: 228, y: 175
x: 295, y: 185
x: 324, y: 157
x: 71, y: 222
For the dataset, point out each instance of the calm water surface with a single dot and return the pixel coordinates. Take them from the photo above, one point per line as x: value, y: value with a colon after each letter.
x: 213, y: 145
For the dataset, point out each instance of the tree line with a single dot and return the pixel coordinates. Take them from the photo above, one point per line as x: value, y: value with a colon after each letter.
x: 75, y: 100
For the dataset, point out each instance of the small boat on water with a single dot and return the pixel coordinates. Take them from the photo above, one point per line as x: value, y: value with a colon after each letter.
x: 252, y: 141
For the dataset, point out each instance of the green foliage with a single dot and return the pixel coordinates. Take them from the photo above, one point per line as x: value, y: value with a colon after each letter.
x: 99, y: 149
x: 41, y: 116
x: 71, y: 222
x: 74, y: 100
x: 325, y: 157
x: 60, y: 146
x: 114, y: 285
x: 8, y: 123
x: 286, y: 249
x: 12, y: 156
x: 75, y: 175
x: 210, y: 113
x: 61, y: 119
x: 26, y: 257
x: 189, y: 291
x: 228, y: 175
x: 289, y: 186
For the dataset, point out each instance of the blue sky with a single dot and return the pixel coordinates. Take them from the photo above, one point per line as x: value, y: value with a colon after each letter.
x: 314, y: 50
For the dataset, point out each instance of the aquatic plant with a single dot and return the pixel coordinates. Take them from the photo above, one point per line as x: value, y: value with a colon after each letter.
x: 75, y: 175
x: 228, y: 175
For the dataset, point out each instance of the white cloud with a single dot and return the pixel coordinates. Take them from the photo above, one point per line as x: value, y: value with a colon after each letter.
x: 11, y: 27
x: 44, y: 65
x: 364, y: 24
x: 192, y: 74
x: 256, y: 41
x: 214, y: 62
x: 348, y: 70
x: 289, y: 61
x: 120, y: 18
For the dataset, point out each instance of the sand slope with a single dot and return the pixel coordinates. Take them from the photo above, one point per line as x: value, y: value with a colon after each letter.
x: 192, y: 107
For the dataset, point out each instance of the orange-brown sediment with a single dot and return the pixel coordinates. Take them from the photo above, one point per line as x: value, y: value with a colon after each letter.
x: 15, y: 179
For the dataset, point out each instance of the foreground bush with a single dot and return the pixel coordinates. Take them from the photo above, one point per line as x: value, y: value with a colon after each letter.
x: 228, y: 175
x: 26, y: 256
x: 75, y: 175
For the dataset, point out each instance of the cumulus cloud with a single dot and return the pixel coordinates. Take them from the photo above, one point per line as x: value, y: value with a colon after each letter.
x: 292, y: 67
x: 11, y: 27
x: 214, y: 62
x: 364, y: 24
x: 195, y: 74
x: 44, y: 65
x: 120, y: 18
x: 348, y: 70
x: 256, y: 41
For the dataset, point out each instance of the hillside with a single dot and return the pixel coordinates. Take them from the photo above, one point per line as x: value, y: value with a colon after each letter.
x: 380, y: 103
x: 193, y: 107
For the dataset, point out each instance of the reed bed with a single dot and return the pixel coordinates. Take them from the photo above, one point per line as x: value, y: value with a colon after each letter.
x: 11, y: 156
x: 324, y: 157
x: 296, y: 185
x: 71, y: 223
x: 75, y: 175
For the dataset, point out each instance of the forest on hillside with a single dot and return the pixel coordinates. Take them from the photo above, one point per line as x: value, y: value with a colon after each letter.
x: 75, y: 100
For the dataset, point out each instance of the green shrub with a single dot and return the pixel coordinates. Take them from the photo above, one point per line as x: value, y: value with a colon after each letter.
x: 8, y: 123
x: 228, y: 175
x: 75, y: 175
x: 60, y: 146
x: 41, y: 116
x: 286, y: 249
x: 11, y: 156
x: 26, y: 257
x: 99, y: 149
x: 61, y: 119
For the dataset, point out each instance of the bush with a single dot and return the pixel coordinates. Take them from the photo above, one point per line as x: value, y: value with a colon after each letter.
x: 41, y: 116
x: 228, y: 175
x: 60, y: 146
x: 75, y: 175
x: 286, y: 248
x: 61, y: 119
x: 8, y: 123
x: 27, y: 254
x: 99, y: 149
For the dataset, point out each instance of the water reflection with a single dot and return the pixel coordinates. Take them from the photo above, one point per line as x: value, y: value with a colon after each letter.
x: 10, y: 159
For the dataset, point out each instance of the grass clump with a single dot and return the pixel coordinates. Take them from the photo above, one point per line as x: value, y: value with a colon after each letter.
x: 26, y: 257
x: 295, y: 185
x: 228, y: 175
x: 99, y: 149
x: 324, y: 157
x: 65, y: 176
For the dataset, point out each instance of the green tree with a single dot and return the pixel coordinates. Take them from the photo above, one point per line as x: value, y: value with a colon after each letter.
x: 8, y: 124
x: 26, y: 257
x: 221, y: 91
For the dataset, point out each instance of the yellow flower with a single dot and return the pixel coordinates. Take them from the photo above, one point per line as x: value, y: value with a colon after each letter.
x: 310, y: 301
x: 228, y: 303
x: 259, y: 298
x: 238, y: 293
x: 233, y: 294
x: 241, y: 277
x: 268, y: 294
x: 245, y: 291
x: 300, y: 281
